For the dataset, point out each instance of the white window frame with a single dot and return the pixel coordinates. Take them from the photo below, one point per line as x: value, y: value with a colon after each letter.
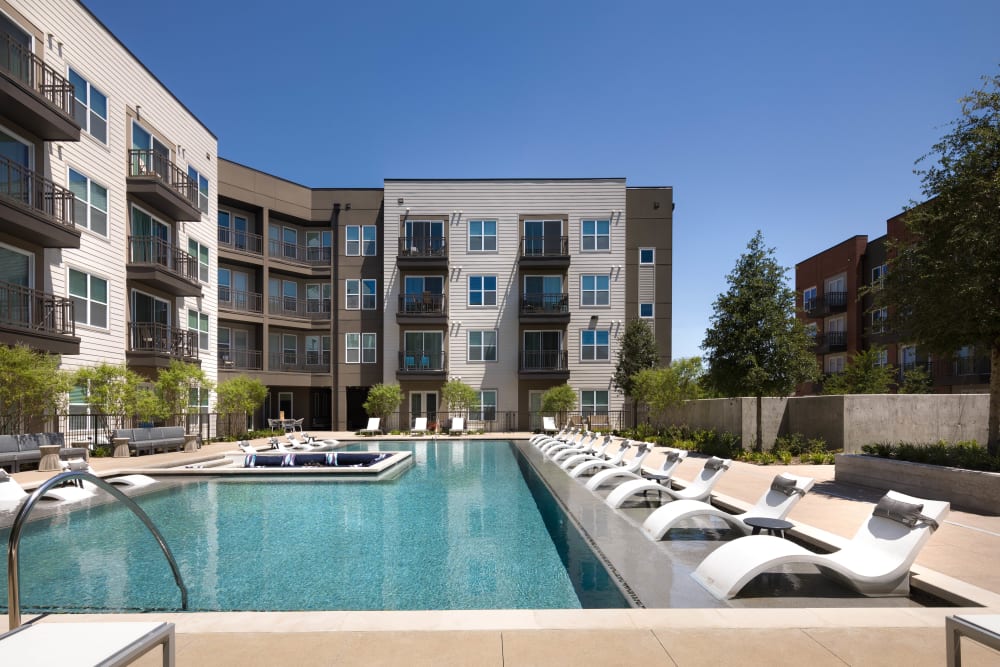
x: 594, y: 347
x: 369, y: 241
x: 483, y: 292
x: 88, y: 203
x: 352, y: 348
x: 834, y: 364
x: 594, y: 292
x: 883, y: 358
x: 480, y: 413
x: 369, y: 300
x: 348, y: 241
x: 483, y: 346
x: 652, y: 260
x: 879, y: 317
x: 593, y: 407
x: 196, y: 176
x: 87, y: 105
x: 652, y: 310
x: 369, y: 348
x: 204, y: 272
x: 808, y: 297
x: 482, y: 236
x: 352, y: 291
x: 203, y: 328
x: 88, y: 300
x: 878, y: 275
x: 596, y: 236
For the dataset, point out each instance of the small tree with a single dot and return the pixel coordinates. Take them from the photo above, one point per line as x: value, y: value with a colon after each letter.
x: 459, y: 397
x: 916, y: 381
x: 662, y: 388
x: 383, y: 400
x: 238, y: 397
x: 114, y: 391
x: 637, y: 352
x: 31, y: 387
x: 755, y: 346
x: 862, y: 375
x: 174, y: 385
x: 559, y: 400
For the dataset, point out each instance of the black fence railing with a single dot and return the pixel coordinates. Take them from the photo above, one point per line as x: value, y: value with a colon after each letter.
x: 162, y: 339
x: 239, y: 301
x: 544, y: 360
x: 423, y: 246
x: 490, y: 420
x: 36, y: 311
x: 544, y: 304
x: 241, y: 360
x: 98, y: 429
x: 422, y: 361
x: 30, y: 71
x: 299, y: 362
x: 152, y: 250
x: 309, y: 255
x: 290, y: 306
x: 32, y: 191
x: 421, y: 304
x: 235, y: 239
x: 545, y: 246
x: 145, y: 162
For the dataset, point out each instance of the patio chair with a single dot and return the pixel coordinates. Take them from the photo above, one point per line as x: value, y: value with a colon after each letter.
x: 132, y: 481
x: 584, y: 445
x: 457, y: 425
x: 630, y: 469
x: 699, y: 489
x: 373, y: 427
x: 419, y: 426
x: 662, y: 475
x: 12, y: 493
x: 549, y: 425
x: 777, y: 501
x: 876, y: 562
x: 594, y: 463
x: 246, y: 447
x: 577, y: 442
x: 576, y: 458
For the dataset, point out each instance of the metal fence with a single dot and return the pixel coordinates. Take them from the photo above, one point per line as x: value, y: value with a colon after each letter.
x: 98, y: 429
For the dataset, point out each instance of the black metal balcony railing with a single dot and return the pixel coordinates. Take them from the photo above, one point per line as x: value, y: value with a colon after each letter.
x: 147, y: 162
x: 971, y: 366
x: 423, y: 246
x: 299, y: 254
x: 908, y: 366
x: 239, y: 301
x: 299, y: 362
x: 35, y: 193
x: 545, y: 246
x: 242, y: 241
x: 831, y: 341
x: 544, y: 360
x: 152, y: 250
x: 835, y: 300
x: 287, y: 306
x: 35, y: 311
x: 421, y: 361
x: 421, y: 304
x: 25, y: 67
x: 162, y: 339
x: 552, y: 304
x: 244, y: 360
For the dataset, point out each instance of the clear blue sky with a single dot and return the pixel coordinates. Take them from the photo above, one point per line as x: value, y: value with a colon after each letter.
x: 801, y: 119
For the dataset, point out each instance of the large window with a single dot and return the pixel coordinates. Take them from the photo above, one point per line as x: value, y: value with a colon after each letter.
x: 368, y: 348
x: 423, y: 350
x: 318, y: 245
x: 91, y: 205
x: 594, y: 345
x: 198, y: 323
x: 91, y: 110
x: 90, y: 298
x: 233, y: 230
x: 361, y: 294
x: 879, y: 317
x: 352, y: 347
x: 202, y: 184
x: 318, y: 297
x: 482, y: 290
x: 361, y: 348
x: 200, y: 251
x: 362, y: 240
x: 809, y: 299
x: 487, y: 406
x: 595, y: 290
x: 482, y: 235
x: 594, y: 402
x: 596, y: 235
x: 483, y: 345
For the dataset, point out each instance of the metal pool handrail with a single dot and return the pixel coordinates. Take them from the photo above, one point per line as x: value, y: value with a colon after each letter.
x: 13, y: 580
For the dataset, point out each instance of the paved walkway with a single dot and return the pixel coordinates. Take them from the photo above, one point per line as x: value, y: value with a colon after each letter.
x: 962, y: 557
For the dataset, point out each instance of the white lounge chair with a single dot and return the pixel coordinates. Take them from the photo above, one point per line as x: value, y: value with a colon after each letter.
x: 568, y: 435
x: 549, y: 425
x: 132, y: 481
x: 575, y: 459
x: 419, y: 426
x: 373, y: 426
x: 321, y: 445
x: 876, y: 562
x: 586, y: 445
x: 699, y: 489
x: 580, y: 444
x: 777, y: 501
x: 595, y: 463
x: 246, y: 447
x: 457, y: 425
x: 12, y: 493
x: 629, y: 470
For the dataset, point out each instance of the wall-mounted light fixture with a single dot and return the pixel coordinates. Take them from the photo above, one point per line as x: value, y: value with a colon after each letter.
x: 399, y: 202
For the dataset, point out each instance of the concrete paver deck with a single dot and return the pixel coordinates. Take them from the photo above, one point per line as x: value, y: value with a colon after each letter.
x: 963, y: 551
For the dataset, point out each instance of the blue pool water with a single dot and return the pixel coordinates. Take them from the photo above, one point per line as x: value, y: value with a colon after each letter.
x: 461, y: 529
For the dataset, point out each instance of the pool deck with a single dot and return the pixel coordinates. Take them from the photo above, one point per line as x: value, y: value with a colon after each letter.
x: 962, y: 557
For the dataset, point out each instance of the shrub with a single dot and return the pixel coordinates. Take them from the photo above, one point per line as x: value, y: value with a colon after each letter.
x: 966, y: 454
x: 796, y: 444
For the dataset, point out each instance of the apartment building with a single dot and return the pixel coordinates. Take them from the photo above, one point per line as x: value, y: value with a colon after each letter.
x: 108, y: 198
x: 845, y: 321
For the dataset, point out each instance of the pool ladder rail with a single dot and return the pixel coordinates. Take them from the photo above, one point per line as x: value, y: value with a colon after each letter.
x: 13, y: 578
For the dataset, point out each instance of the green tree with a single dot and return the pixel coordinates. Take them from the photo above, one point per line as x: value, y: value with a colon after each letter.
x: 665, y: 387
x: 755, y: 346
x: 239, y: 397
x: 941, y: 287
x: 559, y: 400
x: 383, y: 400
x: 31, y: 388
x: 175, y: 385
x: 862, y: 375
x: 637, y: 352
x: 459, y: 397
x: 115, y: 391
x: 916, y: 381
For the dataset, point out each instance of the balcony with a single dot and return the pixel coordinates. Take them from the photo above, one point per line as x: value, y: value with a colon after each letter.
x: 34, y: 95
x: 38, y: 319
x: 154, y: 179
x: 156, y: 345
x: 422, y: 252
x: 154, y: 262
x: 926, y: 366
x: 296, y: 362
x: 304, y: 255
x: 546, y: 364
x: 35, y: 209
x: 541, y: 308
x: 240, y: 360
x: 423, y: 308
x: 544, y: 252
x: 243, y: 242
x: 236, y: 301
x: 421, y: 363
x: 289, y: 306
x: 831, y: 341
x: 969, y: 370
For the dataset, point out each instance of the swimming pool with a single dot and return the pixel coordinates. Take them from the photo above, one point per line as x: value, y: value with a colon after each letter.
x: 461, y: 529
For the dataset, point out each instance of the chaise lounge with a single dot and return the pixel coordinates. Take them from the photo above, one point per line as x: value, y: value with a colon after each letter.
x: 699, y: 489
x: 373, y: 427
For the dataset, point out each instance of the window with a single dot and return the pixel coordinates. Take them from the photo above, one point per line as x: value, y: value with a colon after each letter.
x: 482, y: 290
x: 91, y: 110
x: 487, y: 406
x: 595, y: 290
x: 202, y: 183
x: 361, y: 240
x: 834, y: 364
x: 646, y: 310
x: 200, y: 251
x: 909, y: 357
x: 318, y: 297
x: 198, y: 399
x: 483, y: 345
x: 594, y: 402
x: 647, y: 256
x: 352, y: 294
x: 368, y: 348
x: 198, y: 322
x: 352, y: 348
x: 878, y: 275
x: 883, y: 358
x: 594, y: 345
x: 811, y: 330
x: 233, y: 231
x: 90, y: 299
x: 596, y: 235
x: 879, y: 317
x: 290, y: 242
x: 79, y: 408
x: 353, y: 246
x: 809, y: 299
x: 482, y: 235
x: 223, y: 345
x: 91, y: 205
x: 423, y: 350
x: 361, y: 294
x: 360, y: 348
x: 317, y: 351
x: 318, y: 246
